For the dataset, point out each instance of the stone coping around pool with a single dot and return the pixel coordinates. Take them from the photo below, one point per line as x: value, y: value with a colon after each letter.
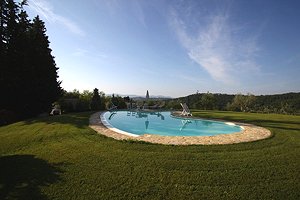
x: 250, y: 133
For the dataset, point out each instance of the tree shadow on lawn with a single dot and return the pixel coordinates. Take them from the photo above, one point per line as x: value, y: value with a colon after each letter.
x: 287, y: 125
x: 79, y: 120
x: 284, y: 126
x: 22, y: 175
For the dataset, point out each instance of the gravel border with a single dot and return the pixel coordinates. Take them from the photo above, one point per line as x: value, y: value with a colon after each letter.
x: 250, y: 133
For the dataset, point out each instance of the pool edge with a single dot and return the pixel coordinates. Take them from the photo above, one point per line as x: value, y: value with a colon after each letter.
x: 110, y: 127
x: 250, y: 133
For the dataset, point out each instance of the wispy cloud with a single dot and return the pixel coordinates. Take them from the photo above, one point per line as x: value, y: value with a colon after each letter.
x: 188, y: 78
x: 45, y: 9
x: 132, y: 8
x: 218, y: 46
x: 80, y: 52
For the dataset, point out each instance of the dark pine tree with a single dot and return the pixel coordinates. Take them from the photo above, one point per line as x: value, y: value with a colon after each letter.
x: 10, y: 71
x: 96, y: 100
x: 28, y: 78
x: 42, y: 84
x: 22, y: 64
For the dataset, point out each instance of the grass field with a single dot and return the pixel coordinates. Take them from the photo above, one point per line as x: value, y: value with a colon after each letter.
x: 62, y: 158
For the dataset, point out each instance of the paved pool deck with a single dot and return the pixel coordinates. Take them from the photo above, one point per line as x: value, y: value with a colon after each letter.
x: 250, y: 133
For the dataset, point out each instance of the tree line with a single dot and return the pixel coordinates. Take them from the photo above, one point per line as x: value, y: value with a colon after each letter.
x: 76, y: 101
x: 28, y: 79
x: 288, y: 103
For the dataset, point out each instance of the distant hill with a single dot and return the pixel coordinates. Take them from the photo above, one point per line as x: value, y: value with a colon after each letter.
x: 138, y: 97
x: 159, y: 97
x: 276, y: 103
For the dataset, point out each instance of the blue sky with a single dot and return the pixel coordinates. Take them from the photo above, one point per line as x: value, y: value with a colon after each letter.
x: 174, y: 48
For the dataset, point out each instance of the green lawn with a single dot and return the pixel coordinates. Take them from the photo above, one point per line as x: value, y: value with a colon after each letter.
x: 61, y: 158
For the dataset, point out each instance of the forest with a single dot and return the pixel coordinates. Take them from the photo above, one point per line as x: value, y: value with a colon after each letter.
x: 288, y: 103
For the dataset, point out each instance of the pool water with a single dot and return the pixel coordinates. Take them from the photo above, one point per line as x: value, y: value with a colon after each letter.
x: 162, y: 123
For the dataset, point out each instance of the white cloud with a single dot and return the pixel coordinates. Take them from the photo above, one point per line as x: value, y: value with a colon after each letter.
x: 219, y: 47
x: 45, y: 9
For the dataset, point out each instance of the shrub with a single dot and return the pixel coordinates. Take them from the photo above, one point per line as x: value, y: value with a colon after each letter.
x: 7, y: 117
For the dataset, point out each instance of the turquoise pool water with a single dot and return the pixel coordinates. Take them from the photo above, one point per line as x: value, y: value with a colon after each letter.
x: 162, y: 123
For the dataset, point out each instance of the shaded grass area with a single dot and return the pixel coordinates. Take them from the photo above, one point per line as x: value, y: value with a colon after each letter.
x: 61, y: 158
x: 22, y: 175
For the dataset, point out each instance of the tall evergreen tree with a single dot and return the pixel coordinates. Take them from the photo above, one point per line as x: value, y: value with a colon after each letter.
x: 42, y: 81
x: 28, y: 80
x: 3, y: 23
x: 10, y: 74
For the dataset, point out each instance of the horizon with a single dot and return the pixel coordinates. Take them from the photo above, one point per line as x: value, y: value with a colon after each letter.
x: 164, y: 96
x: 172, y: 48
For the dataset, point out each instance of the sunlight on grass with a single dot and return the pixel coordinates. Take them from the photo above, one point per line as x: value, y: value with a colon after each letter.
x: 86, y: 165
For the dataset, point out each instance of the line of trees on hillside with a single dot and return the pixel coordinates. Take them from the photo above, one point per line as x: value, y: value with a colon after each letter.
x: 28, y: 73
x: 75, y: 101
x: 288, y: 103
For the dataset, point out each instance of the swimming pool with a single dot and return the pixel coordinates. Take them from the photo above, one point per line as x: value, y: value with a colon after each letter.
x: 163, y: 123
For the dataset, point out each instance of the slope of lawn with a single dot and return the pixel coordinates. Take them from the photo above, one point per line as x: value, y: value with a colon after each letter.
x: 62, y: 158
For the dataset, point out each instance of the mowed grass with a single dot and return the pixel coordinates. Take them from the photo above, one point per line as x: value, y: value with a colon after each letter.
x: 62, y: 158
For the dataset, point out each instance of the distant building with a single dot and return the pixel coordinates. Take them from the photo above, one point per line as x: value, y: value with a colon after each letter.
x: 147, y: 95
